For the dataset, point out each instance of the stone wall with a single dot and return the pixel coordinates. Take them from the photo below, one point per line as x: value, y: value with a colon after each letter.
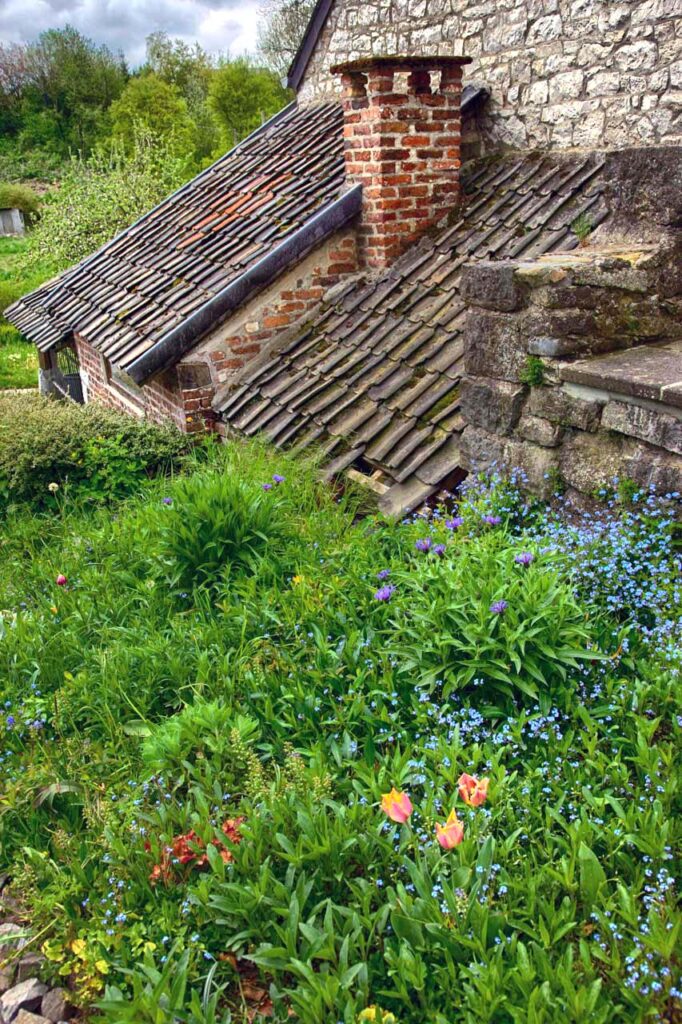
x: 562, y: 73
x: 574, y: 369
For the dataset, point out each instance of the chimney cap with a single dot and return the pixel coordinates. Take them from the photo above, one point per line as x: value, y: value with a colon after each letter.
x: 416, y: 63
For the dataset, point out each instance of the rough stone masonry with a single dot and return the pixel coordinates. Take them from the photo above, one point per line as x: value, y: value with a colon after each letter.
x: 562, y: 73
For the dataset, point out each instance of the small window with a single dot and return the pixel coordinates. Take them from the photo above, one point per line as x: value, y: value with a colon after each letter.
x: 121, y: 381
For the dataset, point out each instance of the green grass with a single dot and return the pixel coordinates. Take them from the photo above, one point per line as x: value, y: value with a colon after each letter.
x: 18, y: 360
x: 192, y: 774
x: 18, y: 357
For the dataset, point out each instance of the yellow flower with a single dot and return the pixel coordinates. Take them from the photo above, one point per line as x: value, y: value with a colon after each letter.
x: 54, y: 609
x: 375, y: 1015
x: 297, y: 579
x: 53, y: 488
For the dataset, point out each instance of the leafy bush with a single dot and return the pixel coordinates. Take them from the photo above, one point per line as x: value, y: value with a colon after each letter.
x: 88, y: 451
x: 220, y: 524
x: 475, y: 615
x: 20, y: 197
x: 101, y: 196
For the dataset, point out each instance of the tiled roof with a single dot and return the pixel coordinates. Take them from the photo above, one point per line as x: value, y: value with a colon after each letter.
x: 201, y: 240
x: 374, y: 379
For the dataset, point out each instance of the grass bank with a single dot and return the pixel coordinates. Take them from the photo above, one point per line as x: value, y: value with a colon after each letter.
x: 18, y: 359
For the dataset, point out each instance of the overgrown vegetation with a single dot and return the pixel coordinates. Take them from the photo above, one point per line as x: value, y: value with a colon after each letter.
x: 63, y: 96
x: 18, y: 359
x: 19, y: 197
x: 101, y: 196
x: 53, y: 452
x: 209, y: 697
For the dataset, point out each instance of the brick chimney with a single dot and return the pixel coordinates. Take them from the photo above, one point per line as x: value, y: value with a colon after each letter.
x: 402, y: 143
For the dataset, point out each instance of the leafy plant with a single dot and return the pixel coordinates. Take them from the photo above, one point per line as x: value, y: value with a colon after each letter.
x: 220, y: 525
x: 476, y: 616
x: 582, y: 227
x: 533, y: 372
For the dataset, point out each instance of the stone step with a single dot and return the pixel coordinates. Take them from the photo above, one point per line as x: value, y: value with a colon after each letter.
x: 653, y: 372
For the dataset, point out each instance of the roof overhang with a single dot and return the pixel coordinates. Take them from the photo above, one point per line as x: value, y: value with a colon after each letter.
x: 169, y: 349
x: 308, y: 43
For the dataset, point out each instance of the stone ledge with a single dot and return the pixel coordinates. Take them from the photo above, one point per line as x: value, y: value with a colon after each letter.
x: 657, y: 428
x: 653, y: 372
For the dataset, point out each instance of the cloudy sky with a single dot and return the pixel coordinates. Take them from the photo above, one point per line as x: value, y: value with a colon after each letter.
x: 219, y: 25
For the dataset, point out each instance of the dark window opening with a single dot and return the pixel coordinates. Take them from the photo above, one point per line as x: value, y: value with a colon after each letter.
x: 66, y: 375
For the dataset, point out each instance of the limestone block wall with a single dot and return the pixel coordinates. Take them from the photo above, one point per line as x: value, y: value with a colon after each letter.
x: 562, y: 73
x: 574, y: 369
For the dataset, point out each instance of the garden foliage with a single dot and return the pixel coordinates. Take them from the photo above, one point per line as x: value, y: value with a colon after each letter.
x: 89, y: 452
x: 198, y: 783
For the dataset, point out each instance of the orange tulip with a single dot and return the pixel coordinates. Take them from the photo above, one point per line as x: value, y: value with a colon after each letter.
x: 397, y: 806
x: 451, y: 833
x: 473, y: 791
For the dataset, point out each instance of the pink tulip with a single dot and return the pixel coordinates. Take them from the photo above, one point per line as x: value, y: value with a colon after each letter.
x: 451, y: 833
x: 397, y: 806
x: 61, y: 580
x: 473, y: 791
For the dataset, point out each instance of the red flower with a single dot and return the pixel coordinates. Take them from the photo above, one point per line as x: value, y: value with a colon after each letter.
x: 188, y: 849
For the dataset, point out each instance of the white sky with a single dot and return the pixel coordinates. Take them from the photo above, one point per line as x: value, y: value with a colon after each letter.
x: 218, y: 25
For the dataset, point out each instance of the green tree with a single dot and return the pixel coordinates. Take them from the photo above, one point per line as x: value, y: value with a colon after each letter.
x: 189, y: 69
x: 283, y: 24
x: 242, y: 96
x: 153, y: 104
x: 69, y: 83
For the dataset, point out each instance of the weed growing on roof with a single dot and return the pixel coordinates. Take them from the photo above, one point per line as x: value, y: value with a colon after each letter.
x: 369, y: 778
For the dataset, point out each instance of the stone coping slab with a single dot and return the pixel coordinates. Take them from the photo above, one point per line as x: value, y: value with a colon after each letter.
x: 647, y: 371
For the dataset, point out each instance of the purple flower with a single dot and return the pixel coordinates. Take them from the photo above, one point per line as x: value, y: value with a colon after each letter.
x: 168, y: 501
x: 423, y: 544
x: 10, y: 721
x: 266, y: 487
x: 439, y: 550
x: 499, y: 607
x: 525, y: 558
x: 492, y: 520
x: 278, y: 479
x: 384, y: 593
x: 454, y: 524
x: 384, y: 574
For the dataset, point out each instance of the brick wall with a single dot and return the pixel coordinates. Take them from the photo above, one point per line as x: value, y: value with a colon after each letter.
x: 402, y: 144
x: 184, y: 394
x: 288, y: 302
x: 171, y: 397
x: 561, y: 73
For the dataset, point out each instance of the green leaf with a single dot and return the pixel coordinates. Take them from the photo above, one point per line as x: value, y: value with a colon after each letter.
x: 592, y: 875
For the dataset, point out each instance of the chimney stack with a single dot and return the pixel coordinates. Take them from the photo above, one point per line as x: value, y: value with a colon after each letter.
x: 402, y: 143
